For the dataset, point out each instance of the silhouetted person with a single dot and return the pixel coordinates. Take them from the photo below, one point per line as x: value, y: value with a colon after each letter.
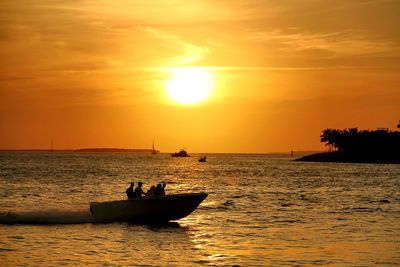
x: 159, y: 191
x: 129, y: 191
x: 138, y: 190
x: 163, y: 189
x: 150, y: 192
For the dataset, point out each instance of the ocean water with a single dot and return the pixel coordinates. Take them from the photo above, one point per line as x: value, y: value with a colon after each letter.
x: 262, y: 210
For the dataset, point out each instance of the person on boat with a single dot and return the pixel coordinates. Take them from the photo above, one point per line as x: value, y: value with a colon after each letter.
x: 150, y: 192
x: 129, y: 191
x: 163, y: 189
x: 138, y: 190
x: 160, y: 190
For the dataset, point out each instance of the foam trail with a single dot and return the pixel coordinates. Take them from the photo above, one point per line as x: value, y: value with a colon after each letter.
x: 46, y: 217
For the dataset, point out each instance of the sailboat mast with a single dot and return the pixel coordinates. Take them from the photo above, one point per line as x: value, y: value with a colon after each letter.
x: 153, y: 150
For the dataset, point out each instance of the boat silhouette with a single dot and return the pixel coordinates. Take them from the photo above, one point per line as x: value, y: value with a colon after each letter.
x: 153, y: 151
x: 152, y: 209
x: 181, y: 154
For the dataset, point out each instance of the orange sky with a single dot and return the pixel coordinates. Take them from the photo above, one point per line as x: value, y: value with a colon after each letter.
x: 92, y: 73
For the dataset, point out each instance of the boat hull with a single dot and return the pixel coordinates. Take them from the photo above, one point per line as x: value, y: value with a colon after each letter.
x: 147, y: 209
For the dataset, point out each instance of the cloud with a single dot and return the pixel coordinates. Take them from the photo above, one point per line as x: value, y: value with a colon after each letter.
x: 188, y: 52
x: 340, y: 43
x: 83, y: 66
x: 15, y: 78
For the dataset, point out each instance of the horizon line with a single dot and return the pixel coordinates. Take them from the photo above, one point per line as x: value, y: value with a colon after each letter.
x: 141, y: 150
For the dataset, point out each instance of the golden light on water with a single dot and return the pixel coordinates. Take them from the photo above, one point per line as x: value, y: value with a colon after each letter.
x: 189, y: 86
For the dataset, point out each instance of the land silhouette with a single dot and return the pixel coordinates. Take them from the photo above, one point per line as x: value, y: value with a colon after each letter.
x: 353, y: 145
x: 110, y: 150
x: 117, y: 150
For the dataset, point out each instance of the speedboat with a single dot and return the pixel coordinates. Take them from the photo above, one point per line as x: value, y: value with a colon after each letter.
x: 203, y: 159
x: 157, y: 209
x: 181, y: 154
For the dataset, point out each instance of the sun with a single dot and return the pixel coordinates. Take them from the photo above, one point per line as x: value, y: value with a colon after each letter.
x: 189, y: 86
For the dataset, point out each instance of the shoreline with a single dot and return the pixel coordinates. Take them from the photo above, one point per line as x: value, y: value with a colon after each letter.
x: 83, y: 150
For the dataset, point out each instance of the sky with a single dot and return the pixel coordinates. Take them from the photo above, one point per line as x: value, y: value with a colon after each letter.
x: 95, y: 73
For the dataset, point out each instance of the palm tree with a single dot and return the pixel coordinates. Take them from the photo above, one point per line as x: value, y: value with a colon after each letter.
x: 329, y: 136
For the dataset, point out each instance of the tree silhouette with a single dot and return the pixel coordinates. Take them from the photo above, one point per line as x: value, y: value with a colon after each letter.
x: 362, y: 143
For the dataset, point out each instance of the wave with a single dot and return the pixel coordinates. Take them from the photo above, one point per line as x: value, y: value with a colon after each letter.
x: 47, y: 217
x: 221, y: 206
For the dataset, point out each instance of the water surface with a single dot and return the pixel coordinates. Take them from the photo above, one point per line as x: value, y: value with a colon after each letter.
x: 261, y: 210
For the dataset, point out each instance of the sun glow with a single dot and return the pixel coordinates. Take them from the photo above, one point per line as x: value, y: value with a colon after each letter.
x: 189, y: 86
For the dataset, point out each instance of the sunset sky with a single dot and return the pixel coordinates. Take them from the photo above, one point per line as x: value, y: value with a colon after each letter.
x: 278, y: 72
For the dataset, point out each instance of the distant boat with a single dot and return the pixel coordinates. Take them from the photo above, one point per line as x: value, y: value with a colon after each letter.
x: 181, y: 154
x: 153, y: 151
x: 147, y: 209
x: 203, y: 159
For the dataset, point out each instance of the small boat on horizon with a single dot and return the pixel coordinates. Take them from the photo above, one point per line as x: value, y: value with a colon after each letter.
x: 203, y: 159
x: 154, y: 209
x: 153, y: 151
x: 181, y: 154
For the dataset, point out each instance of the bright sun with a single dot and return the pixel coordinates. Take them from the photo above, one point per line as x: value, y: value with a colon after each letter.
x: 188, y: 86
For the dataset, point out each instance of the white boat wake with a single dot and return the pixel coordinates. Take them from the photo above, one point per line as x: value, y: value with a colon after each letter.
x: 47, y: 217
